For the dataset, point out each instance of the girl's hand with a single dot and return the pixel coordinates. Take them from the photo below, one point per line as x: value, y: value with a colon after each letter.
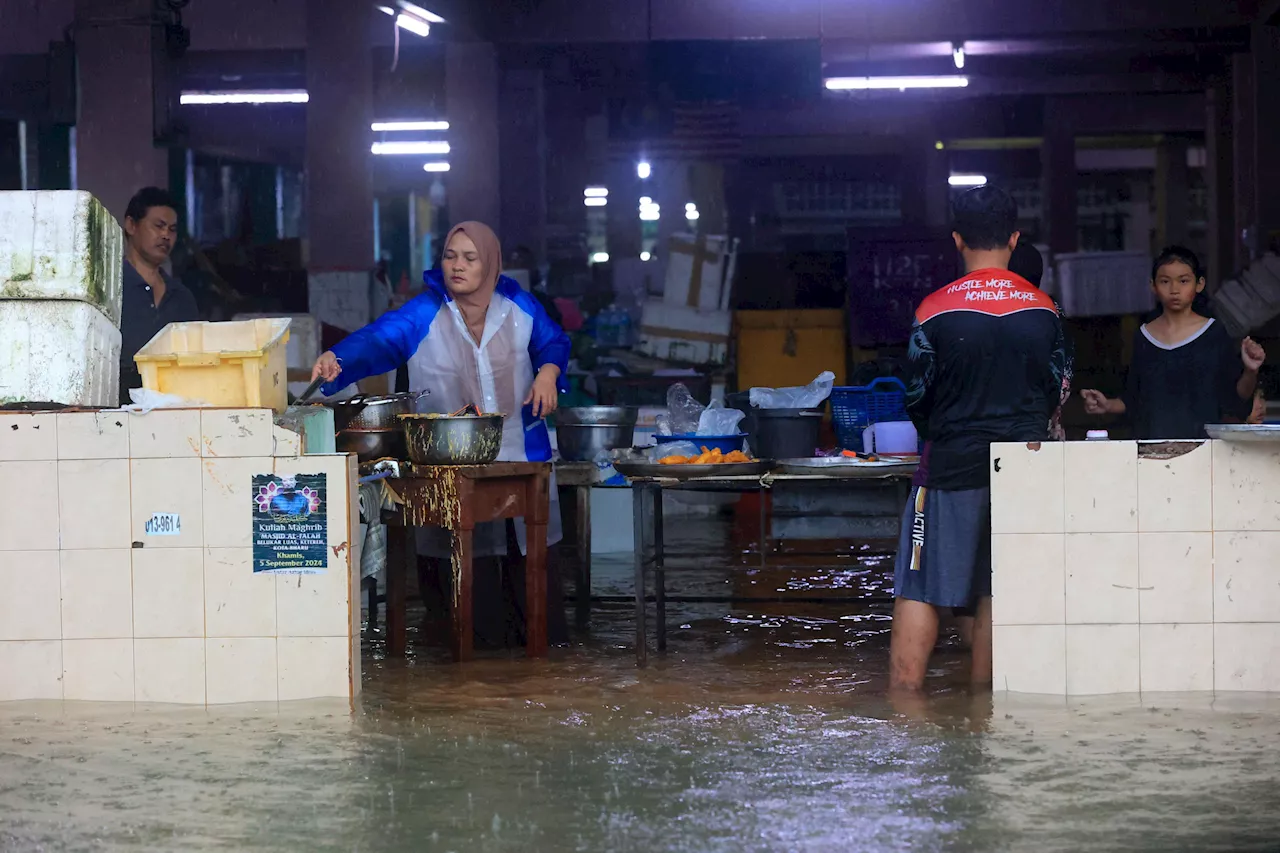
x: 1252, y: 354
x: 327, y: 366
x: 544, y: 396
x: 1095, y: 402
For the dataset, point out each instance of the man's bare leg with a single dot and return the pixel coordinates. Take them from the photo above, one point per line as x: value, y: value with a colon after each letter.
x: 964, y: 627
x: 981, y: 671
x: 915, y: 631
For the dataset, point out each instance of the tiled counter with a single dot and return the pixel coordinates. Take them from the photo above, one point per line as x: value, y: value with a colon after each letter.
x: 99, y: 602
x: 1126, y: 568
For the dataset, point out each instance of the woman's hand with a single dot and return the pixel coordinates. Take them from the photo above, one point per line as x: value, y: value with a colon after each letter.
x: 1252, y: 354
x: 327, y: 366
x: 1095, y: 402
x: 544, y: 396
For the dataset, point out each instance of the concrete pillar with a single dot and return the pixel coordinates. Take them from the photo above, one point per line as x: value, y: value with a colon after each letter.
x: 522, y: 151
x: 118, y: 67
x: 625, y: 190
x: 1059, y: 180
x: 472, y: 100
x: 1266, y: 56
x: 1244, y: 145
x: 1219, y: 181
x: 339, y: 195
x: 1173, y: 200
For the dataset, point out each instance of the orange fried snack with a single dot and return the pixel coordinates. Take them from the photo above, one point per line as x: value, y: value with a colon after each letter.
x: 737, y: 456
x: 674, y: 460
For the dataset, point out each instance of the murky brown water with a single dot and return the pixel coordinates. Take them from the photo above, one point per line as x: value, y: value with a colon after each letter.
x: 764, y: 728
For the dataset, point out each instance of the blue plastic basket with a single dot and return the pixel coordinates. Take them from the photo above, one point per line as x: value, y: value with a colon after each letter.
x: 854, y: 408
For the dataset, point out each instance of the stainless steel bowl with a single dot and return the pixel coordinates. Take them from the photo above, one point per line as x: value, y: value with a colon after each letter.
x: 450, y: 440
x: 367, y: 412
x: 370, y: 444
x: 584, y: 442
x: 597, y: 416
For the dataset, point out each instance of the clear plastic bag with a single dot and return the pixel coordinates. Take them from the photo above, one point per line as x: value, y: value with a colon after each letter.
x: 717, y: 420
x: 673, y: 448
x: 145, y: 400
x: 808, y: 397
x: 606, y: 474
x: 683, y: 411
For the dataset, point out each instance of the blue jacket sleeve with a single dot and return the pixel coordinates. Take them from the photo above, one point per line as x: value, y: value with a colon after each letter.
x: 548, y: 344
x: 384, y: 344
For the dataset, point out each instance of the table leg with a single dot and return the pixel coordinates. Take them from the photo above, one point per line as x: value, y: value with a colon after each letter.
x: 641, y: 502
x: 400, y: 556
x: 463, y: 613
x: 764, y: 527
x: 659, y: 572
x: 535, y: 569
x: 582, y: 598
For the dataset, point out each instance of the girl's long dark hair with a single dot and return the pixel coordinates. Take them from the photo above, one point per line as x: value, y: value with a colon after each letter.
x: 1180, y: 255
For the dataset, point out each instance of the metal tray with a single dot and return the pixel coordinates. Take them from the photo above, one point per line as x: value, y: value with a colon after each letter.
x: 838, y: 466
x: 1244, y: 432
x: 689, y: 472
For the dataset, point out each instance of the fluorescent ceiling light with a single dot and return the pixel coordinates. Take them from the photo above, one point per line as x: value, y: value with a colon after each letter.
x: 650, y: 215
x: 288, y: 96
x: 691, y: 215
x: 410, y: 148
x: 595, y: 201
x: 596, y: 192
x: 413, y: 25
x: 645, y: 201
x: 643, y: 170
x: 435, y: 167
x: 967, y: 180
x: 392, y: 126
x: 644, y: 256
x: 836, y: 84
x: 419, y: 12
x: 600, y: 258
x: 957, y: 55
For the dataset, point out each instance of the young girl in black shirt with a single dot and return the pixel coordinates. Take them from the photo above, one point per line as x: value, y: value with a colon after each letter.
x: 1186, y: 370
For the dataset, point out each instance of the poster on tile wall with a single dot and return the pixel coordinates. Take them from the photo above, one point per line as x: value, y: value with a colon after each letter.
x: 290, y: 523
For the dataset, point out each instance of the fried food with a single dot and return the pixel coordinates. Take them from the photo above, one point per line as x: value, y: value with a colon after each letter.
x: 707, y: 457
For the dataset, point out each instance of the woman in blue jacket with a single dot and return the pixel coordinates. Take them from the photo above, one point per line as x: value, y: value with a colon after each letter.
x: 472, y: 337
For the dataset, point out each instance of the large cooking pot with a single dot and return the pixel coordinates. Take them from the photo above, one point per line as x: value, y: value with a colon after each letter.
x: 584, y: 431
x: 370, y: 412
x: 452, y: 439
x: 371, y: 444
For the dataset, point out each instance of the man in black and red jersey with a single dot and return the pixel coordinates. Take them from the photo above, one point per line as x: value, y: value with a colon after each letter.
x: 987, y: 360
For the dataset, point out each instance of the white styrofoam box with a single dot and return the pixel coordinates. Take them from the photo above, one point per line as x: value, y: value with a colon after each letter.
x: 60, y: 245
x: 304, y: 338
x: 678, y: 333
x: 341, y: 298
x: 58, y: 352
x: 1097, y: 284
x: 683, y: 267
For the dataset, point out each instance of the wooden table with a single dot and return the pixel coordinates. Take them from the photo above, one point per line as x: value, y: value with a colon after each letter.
x: 457, y: 499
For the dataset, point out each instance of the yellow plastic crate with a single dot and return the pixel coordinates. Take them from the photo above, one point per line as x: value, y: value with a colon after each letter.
x: 241, y: 363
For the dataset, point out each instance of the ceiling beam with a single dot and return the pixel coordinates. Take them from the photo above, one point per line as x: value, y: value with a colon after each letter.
x: 864, y: 21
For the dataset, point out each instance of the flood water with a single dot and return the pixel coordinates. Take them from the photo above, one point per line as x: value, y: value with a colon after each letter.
x: 765, y: 727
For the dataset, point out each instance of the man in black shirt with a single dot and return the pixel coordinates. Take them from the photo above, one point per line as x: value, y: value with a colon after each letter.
x: 150, y: 300
x: 987, y: 363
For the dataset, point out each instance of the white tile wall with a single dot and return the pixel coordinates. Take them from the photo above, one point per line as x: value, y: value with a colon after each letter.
x: 168, y: 487
x: 165, y: 434
x: 1176, y: 495
x: 97, y: 594
x: 93, y: 435
x: 93, y: 503
x: 1028, y: 579
x: 28, y: 506
x: 1101, y: 487
x: 1246, y: 656
x: 168, y: 593
x: 1030, y: 658
x: 30, y: 592
x: 1246, y: 486
x: 1246, y: 578
x: 237, y: 602
x: 30, y: 669
x: 1102, y: 659
x: 169, y: 671
x: 1175, y: 577
x: 28, y: 437
x: 1176, y: 658
x: 241, y: 669
x: 227, y: 496
x: 312, y: 667
x: 1102, y: 578
x: 1027, y: 490
x: 237, y: 432
x: 97, y: 670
